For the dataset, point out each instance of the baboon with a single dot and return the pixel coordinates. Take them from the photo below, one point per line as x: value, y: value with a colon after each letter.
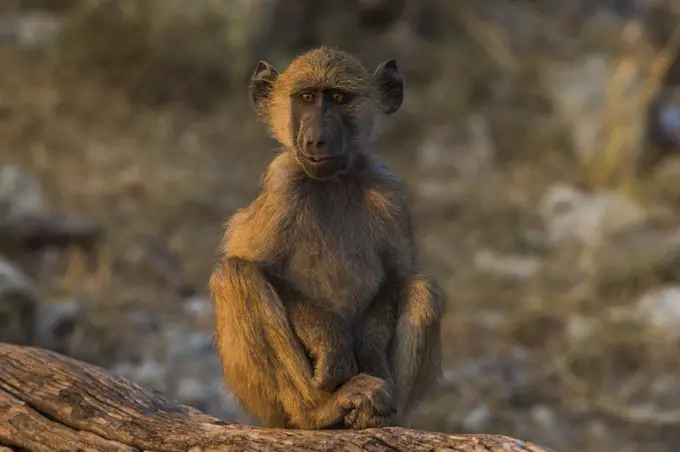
x: 325, y: 318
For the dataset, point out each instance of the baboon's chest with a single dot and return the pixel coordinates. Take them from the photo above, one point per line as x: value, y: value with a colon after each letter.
x: 336, y: 261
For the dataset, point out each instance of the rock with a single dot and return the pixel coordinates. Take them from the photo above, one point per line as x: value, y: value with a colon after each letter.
x: 663, y: 129
x: 477, y: 419
x: 580, y: 328
x: 669, y: 119
x: 31, y: 29
x: 487, y: 318
x: 142, y: 350
x: 19, y: 303
x: 180, y: 362
x: 451, y: 160
x: 467, y: 152
x: 571, y: 215
x: 195, y: 374
x: 144, y: 322
x: 186, y: 344
x: 641, y: 251
x: 164, y: 262
x: 21, y: 194
x: 507, y: 376
x: 660, y: 307
x: 666, y: 390
x: 509, y: 266
x: 147, y: 371
x: 57, y: 324
x: 200, y: 308
x: 544, y: 417
x: 143, y: 339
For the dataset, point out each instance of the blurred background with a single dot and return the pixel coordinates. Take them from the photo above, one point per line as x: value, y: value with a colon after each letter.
x: 539, y: 141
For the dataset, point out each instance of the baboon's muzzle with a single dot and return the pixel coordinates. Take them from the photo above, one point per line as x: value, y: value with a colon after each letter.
x: 321, y: 148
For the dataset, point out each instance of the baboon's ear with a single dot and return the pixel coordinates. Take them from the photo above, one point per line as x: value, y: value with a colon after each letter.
x: 391, y: 84
x: 261, y: 86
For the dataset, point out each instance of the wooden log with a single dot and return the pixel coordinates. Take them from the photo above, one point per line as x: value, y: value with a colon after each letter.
x: 49, y: 402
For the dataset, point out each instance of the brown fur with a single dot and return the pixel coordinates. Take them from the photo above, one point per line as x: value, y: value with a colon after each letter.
x: 319, y: 283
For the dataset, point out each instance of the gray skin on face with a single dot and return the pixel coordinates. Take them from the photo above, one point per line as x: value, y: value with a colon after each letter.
x: 324, y: 129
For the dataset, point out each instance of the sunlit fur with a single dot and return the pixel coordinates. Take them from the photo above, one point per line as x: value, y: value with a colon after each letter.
x: 346, y: 246
x: 324, y: 67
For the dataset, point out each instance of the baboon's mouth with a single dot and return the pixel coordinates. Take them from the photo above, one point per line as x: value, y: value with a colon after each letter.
x: 316, y: 159
x: 323, y: 166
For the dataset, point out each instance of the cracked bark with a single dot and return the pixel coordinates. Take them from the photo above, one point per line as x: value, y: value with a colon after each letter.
x: 50, y: 402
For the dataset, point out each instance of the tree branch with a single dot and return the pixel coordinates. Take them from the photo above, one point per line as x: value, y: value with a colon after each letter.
x: 50, y: 402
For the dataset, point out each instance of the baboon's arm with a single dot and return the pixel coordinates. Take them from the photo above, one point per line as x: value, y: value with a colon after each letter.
x: 416, y: 351
x: 264, y: 363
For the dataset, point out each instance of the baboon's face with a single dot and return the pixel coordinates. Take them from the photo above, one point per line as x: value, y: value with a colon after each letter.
x: 323, y: 106
x: 323, y: 129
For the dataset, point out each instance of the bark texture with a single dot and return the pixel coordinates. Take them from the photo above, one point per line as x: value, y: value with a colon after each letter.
x: 49, y: 402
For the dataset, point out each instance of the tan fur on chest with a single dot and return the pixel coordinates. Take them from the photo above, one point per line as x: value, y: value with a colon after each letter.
x: 340, y: 271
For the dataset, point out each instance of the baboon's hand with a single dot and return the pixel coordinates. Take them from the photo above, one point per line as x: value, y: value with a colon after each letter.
x: 368, y: 401
x: 333, y: 368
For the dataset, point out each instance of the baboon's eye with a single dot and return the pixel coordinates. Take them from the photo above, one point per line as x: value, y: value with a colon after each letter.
x: 307, y: 98
x: 339, y: 98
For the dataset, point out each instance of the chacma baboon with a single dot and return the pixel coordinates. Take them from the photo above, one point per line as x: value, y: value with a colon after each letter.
x: 319, y: 284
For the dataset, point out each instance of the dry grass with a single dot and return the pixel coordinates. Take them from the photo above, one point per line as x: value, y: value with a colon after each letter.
x: 128, y: 129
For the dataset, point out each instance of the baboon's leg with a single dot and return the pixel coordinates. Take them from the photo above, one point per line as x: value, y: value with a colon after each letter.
x: 264, y: 364
x: 374, y: 333
x: 328, y: 339
x: 373, y: 336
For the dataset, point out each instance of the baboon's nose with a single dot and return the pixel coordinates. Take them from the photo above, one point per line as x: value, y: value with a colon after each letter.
x: 315, y: 140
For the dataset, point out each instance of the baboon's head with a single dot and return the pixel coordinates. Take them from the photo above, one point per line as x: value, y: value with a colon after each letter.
x: 322, y: 107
